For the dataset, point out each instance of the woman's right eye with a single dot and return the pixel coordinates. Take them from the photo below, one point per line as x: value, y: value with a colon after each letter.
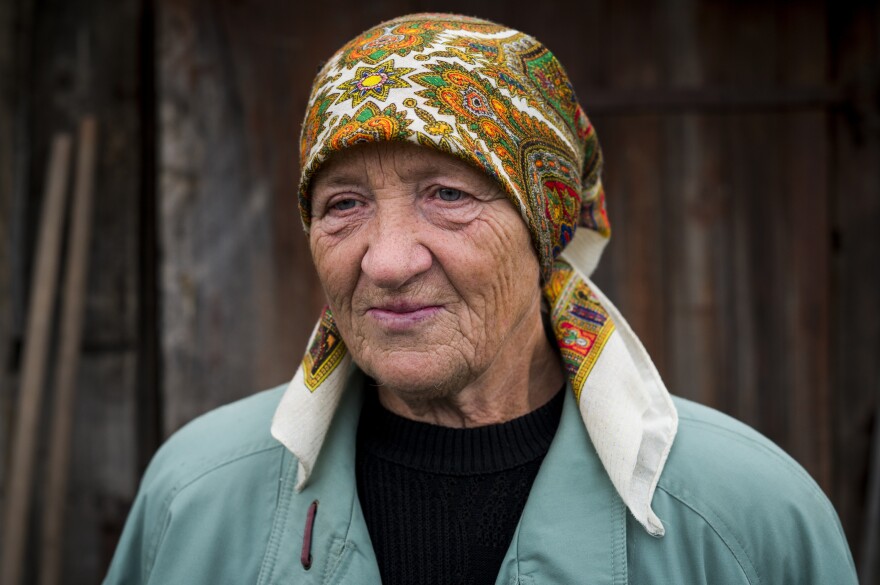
x: 344, y: 205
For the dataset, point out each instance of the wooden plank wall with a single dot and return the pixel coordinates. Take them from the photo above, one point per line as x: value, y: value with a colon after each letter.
x: 66, y: 59
x: 238, y: 291
x: 855, y: 312
x: 741, y: 190
x: 732, y: 229
x: 87, y: 57
x: 7, y: 114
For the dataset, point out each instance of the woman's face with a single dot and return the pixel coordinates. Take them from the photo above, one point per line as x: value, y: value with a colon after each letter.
x: 428, y: 268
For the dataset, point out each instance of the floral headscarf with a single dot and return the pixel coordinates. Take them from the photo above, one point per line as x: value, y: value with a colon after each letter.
x: 501, y: 101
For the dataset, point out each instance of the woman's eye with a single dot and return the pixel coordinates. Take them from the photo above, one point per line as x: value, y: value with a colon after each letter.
x: 344, y: 205
x: 449, y: 194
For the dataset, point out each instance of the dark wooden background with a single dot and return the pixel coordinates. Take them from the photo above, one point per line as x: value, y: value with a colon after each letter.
x: 742, y: 144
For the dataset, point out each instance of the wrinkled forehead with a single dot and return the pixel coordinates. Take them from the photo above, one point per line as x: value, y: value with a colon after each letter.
x: 379, y: 164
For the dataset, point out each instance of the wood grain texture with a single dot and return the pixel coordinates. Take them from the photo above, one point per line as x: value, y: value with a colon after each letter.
x: 77, y: 57
x: 855, y: 248
x: 25, y: 441
x: 70, y: 341
x: 104, y: 455
x: 222, y: 327
x: 7, y: 166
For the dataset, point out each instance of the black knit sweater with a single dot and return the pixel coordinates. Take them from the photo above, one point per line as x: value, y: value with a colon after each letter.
x: 442, y: 504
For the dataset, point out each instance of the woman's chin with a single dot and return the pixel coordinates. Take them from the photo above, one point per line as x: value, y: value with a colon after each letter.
x: 418, y: 379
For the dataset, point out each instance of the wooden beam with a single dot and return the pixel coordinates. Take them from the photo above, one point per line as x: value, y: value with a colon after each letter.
x: 713, y: 100
x: 869, y: 565
x: 148, y: 407
x: 39, y: 328
x: 68, y: 359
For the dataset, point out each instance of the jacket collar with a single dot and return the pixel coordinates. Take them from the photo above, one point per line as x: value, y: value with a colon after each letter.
x: 573, y: 527
x: 573, y: 524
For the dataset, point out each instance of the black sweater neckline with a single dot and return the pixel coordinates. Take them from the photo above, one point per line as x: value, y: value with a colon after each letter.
x: 453, y: 451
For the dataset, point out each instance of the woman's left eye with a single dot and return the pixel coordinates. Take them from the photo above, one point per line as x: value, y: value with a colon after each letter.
x: 449, y: 194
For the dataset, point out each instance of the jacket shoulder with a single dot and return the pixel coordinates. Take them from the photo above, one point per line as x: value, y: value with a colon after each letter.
x: 715, y: 454
x: 219, y: 437
x: 217, y: 476
x: 762, y: 506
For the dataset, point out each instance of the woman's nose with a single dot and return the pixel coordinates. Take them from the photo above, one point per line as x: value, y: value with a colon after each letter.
x: 396, y: 253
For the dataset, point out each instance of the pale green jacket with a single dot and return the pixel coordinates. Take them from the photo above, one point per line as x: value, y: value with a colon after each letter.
x: 217, y: 505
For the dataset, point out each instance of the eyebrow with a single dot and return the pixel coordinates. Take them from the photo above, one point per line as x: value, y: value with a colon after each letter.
x: 344, y: 178
x: 335, y: 180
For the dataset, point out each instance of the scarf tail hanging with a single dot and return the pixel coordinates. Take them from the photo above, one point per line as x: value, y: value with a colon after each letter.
x: 626, y: 407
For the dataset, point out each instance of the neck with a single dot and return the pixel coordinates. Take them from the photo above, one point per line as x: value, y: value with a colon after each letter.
x: 525, y: 374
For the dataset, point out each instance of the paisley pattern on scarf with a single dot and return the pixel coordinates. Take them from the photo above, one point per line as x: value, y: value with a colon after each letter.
x: 495, y: 98
x: 406, y: 35
x: 581, y: 325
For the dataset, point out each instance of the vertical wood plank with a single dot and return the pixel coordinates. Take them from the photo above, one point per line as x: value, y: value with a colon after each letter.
x: 855, y: 40
x: 216, y: 224
x: 17, y: 19
x: 70, y: 334
x: 629, y: 56
x: 743, y: 57
x: 36, y: 356
x: 58, y: 91
x: 807, y: 200
x: 104, y: 460
x: 7, y: 115
x: 148, y: 418
x: 691, y: 222
x: 869, y: 559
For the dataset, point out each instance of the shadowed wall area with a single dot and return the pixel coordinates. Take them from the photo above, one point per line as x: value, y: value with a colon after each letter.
x: 742, y: 149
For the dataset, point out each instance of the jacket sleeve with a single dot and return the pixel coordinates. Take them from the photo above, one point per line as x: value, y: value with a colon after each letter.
x: 127, y: 565
x: 141, y: 536
x: 751, y: 513
x: 186, y: 492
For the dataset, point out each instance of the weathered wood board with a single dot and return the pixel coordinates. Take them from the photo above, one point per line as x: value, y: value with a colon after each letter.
x: 68, y: 59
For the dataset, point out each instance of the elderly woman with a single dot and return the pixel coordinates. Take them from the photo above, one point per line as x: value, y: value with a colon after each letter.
x: 471, y: 408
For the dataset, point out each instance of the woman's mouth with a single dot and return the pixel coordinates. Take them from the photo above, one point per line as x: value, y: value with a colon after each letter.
x: 400, y: 317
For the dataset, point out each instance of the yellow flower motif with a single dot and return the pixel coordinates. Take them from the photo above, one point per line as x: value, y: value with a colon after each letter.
x: 438, y: 129
x: 373, y: 82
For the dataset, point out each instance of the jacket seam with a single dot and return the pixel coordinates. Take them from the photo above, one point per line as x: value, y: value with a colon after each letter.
x: 796, y: 470
x: 613, y: 545
x: 618, y: 554
x: 516, y: 535
x: 282, y: 510
x: 180, y: 486
x: 679, y: 498
x: 339, y: 549
x: 345, y: 543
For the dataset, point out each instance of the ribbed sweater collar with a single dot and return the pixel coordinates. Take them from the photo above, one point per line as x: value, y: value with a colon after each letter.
x: 437, y: 449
